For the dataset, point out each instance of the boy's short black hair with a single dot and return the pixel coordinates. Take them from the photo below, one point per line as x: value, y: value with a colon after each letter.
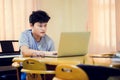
x: 38, y: 16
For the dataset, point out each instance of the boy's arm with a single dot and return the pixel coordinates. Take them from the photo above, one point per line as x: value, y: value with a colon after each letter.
x: 26, y: 52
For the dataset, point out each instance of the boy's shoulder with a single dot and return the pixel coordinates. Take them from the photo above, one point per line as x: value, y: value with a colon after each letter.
x: 27, y: 31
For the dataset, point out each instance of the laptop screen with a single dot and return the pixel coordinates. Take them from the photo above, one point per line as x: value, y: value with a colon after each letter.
x: 73, y: 43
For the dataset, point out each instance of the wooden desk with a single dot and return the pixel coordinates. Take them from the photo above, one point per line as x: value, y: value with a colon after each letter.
x: 56, y: 61
x: 72, y: 60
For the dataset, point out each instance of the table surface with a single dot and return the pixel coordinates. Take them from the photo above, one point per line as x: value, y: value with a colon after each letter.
x: 87, y: 59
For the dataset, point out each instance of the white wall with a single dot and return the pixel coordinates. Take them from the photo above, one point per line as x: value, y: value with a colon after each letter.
x: 66, y: 16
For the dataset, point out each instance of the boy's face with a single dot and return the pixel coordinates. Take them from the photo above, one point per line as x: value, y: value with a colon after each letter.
x: 39, y: 29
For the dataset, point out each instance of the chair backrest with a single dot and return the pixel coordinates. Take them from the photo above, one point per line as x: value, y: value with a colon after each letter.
x: 33, y: 64
x: 69, y: 72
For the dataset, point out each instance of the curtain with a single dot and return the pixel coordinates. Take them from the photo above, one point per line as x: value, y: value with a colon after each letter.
x: 14, y: 17
x: 102, y: 25
x: 117, y: 6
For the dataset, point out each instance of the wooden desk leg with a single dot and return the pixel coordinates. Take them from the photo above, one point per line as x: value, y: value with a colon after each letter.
x: 33, y: 76
x: 18, y: 78
x: 17, y: 66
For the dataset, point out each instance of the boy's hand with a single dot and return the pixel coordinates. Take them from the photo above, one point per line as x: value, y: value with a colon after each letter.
x: 41, y: 54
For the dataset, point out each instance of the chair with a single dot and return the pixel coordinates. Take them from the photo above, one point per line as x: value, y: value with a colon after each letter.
x: 99, y: 72
x: 34, y: 68
x: 69, y: 72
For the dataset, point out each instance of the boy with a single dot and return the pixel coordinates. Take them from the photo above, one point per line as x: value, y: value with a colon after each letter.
x: 35, y: 41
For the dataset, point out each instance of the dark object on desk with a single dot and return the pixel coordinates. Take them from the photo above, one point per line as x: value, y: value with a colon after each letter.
x: 105, y: 56
x: 99, y: 72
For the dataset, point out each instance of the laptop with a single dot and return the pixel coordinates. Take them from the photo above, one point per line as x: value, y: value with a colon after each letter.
x: 72, y: 44
x: 9, y: 47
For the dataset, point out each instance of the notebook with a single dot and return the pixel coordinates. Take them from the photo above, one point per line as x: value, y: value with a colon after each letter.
x: 72, y: 44
x: 9, y: 47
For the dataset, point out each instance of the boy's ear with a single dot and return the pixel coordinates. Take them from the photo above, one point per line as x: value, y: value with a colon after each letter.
x: 31, y: 24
